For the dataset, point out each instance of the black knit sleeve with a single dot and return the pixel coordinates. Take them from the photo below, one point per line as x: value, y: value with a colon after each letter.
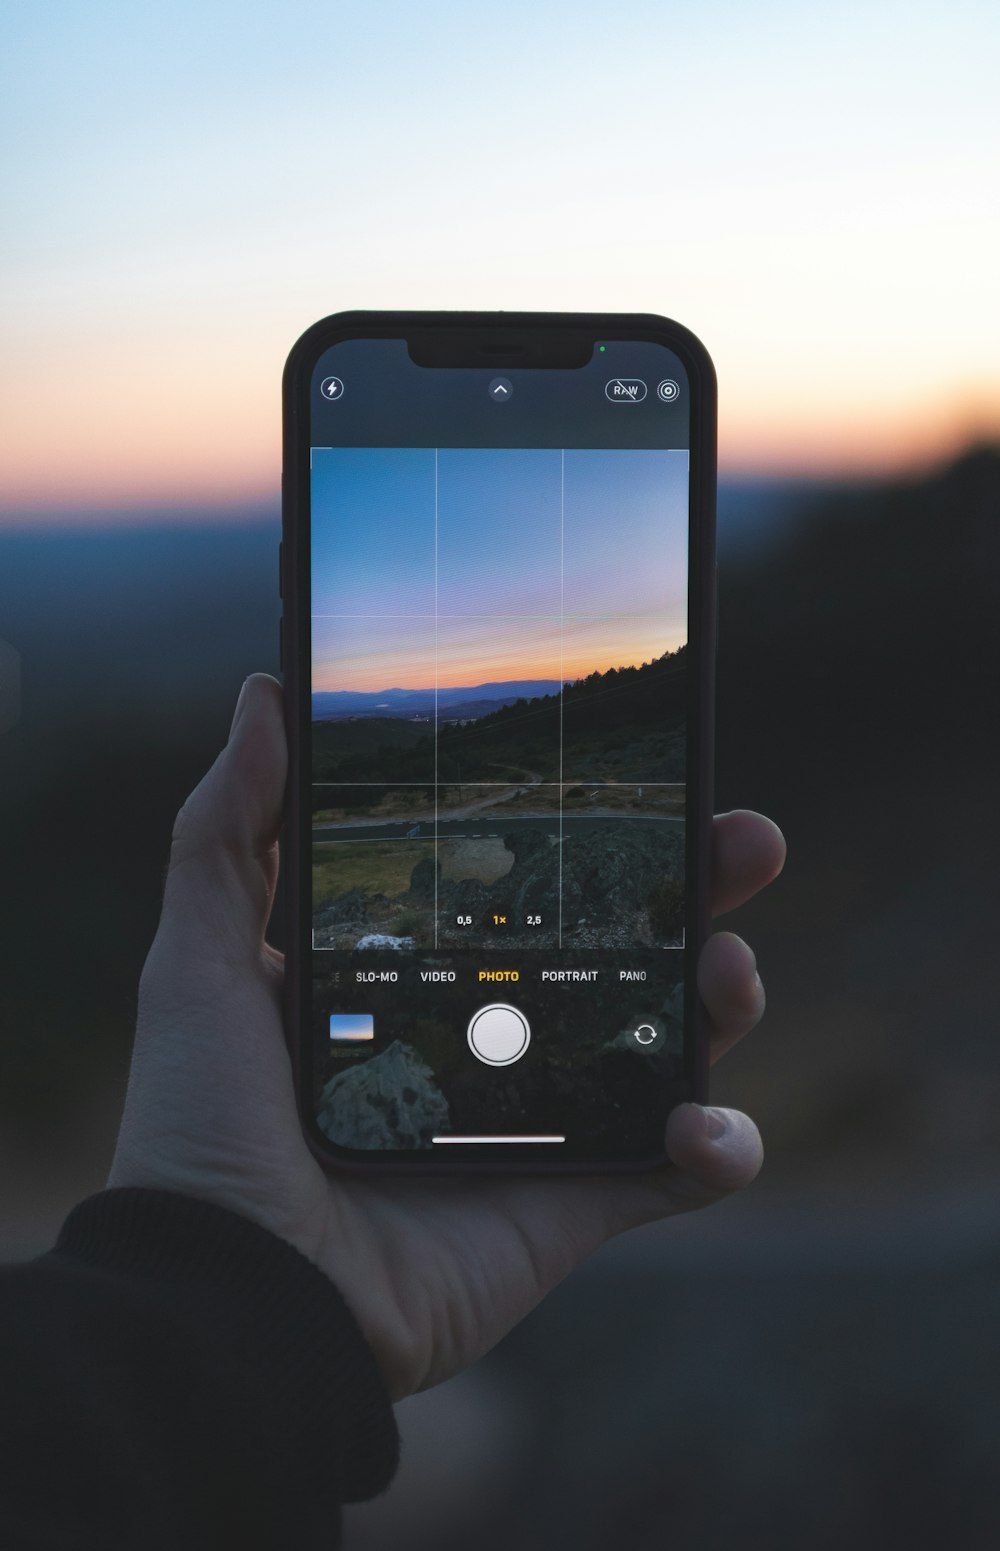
x: 172, y: 1375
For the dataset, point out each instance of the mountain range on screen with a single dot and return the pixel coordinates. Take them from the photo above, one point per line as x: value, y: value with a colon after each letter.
x: 456, y: 700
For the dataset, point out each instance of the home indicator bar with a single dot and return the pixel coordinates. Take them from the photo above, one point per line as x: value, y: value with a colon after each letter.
x: 466, y: 1139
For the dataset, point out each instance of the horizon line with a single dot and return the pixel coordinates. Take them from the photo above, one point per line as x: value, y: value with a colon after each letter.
x: 27, y: 514
x: 265, y: 511
x: 263, y: 508
x: 554, y: 679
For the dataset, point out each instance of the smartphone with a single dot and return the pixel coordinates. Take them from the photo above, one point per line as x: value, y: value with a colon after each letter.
x: 498, y: 574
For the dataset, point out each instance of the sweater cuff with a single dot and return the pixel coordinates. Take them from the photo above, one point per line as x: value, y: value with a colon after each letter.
x: 252, y: 1298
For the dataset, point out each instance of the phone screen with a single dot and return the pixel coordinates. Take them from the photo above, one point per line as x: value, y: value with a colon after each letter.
x: 501, y: 706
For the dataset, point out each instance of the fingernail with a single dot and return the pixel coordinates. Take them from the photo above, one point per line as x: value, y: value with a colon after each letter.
x: 716, y: 1123
x: 241, y: 702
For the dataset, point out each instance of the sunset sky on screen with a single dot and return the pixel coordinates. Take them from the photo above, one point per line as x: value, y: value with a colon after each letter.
x: 466, y: 566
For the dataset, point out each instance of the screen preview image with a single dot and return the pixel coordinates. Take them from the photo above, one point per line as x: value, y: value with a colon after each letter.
x: 498, y: 761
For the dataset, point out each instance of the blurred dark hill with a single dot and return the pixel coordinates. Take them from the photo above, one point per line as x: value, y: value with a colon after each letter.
x: 756, y: 513
x: 139, y: 622
x: 858, y: 651
x: 887, y: 604
x: 857, y: 693
x: 133, y: 646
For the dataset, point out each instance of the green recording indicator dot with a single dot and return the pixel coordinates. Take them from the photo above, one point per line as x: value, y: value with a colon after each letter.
x: 602, y: 348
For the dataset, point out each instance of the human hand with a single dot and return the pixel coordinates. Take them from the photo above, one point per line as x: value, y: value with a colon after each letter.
x: 435, y: 1270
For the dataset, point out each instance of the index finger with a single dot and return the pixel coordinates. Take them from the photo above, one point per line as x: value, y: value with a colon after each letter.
x: 748, y: 851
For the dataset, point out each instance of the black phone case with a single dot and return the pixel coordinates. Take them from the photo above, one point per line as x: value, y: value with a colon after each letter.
x: 702, y: 636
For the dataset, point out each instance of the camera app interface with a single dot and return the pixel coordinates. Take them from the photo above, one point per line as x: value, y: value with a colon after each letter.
x: 499, y: 707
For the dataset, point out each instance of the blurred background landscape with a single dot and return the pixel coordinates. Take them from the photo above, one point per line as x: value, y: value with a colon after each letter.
x: 859, y: 641
x: 815, y: 1364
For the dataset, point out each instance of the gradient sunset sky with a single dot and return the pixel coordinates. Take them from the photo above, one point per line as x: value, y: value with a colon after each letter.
x: 188, y: 186
x: 462, y: 566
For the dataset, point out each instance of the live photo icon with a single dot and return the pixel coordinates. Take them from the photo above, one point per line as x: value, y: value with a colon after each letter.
x: 351, y: 1027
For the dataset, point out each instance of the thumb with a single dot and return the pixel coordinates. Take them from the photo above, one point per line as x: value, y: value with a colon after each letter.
x: 223, y: 858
